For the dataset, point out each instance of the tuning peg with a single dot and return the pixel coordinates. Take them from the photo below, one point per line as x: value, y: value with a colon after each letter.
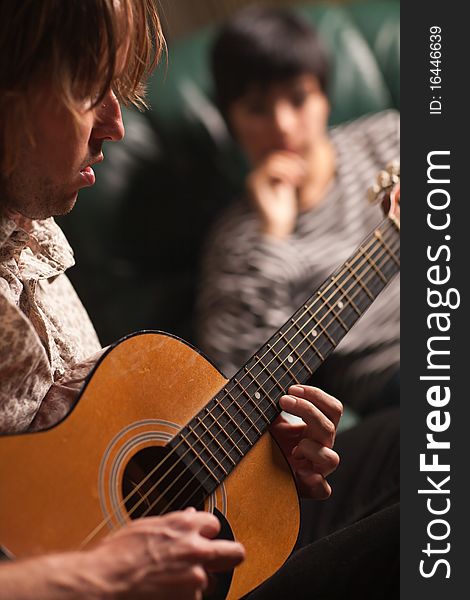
x: 384, y: 179
x: 393, y: 168
x: 373, y: 193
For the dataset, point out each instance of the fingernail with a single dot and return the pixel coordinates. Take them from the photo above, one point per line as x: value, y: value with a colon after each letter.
x: 287, y: 402
x: 296, y: 389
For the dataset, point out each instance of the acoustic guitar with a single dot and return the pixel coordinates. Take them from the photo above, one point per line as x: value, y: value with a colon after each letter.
x: 158, y: 428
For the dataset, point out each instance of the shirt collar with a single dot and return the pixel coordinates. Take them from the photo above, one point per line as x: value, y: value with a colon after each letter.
x: 39, y: 247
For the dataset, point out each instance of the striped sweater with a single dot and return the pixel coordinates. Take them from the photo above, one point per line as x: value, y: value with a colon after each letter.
x: 251, y: 284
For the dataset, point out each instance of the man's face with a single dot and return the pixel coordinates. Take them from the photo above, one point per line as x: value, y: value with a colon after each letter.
x: 290, y: 115
x: 49, y: 173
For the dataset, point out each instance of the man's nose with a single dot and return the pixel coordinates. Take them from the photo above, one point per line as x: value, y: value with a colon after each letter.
x: 108, y: 122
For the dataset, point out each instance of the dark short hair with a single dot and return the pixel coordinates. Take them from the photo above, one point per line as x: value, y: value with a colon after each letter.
x: 261, y: 46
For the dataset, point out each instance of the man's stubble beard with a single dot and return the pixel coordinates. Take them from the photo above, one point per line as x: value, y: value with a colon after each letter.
x: 37, y: 201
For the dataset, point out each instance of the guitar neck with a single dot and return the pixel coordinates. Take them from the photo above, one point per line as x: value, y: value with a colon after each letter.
x: 217, y: 439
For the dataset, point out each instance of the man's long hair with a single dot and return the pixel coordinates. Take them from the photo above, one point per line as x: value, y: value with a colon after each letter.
x: 74, y: 47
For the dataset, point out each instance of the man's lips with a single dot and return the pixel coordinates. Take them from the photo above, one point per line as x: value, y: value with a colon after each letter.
x: 87, y: 174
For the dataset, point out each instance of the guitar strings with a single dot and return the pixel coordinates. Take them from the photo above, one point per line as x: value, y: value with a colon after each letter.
x: 162, y: 462
x: 163, y: 494
x: 316, y: 300
x: 152, y: 489
x: 246, y: 403
x: 334, y: 281
x: 182, y: 489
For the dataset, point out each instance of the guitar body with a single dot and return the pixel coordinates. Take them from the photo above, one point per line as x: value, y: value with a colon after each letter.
x: 60, y: 484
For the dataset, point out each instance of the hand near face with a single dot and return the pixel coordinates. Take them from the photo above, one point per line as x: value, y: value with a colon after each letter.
x: 273, y: 186
x: 308, y: 446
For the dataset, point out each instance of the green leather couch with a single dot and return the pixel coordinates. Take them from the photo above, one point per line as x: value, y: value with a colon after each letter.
x: 137, y: 233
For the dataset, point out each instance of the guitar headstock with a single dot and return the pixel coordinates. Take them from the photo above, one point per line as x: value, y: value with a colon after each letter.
x: 386, y: 191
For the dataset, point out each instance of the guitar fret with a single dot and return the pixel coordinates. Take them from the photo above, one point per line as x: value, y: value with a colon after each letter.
x: 379, y: 235
x: 210, y: 414
x: 329, y: 308
x: 249, y: 372
x: 206, y: 447
x: 389, y: 269
x: 200, y: 461
x: 365, y: 277
x: 227, y: 413
x: 359, y: 281
x: 294, y: 350
x: 215, y: 439
x: 373, y: 265
x: 319, y: 337
x: 268, y: 371
x: 240, y: 408
x: 347, y: 296
x: 260, y: 387
x: 336, y: 316
x: 250, y: 399
x: 378, y: 281
x: 310, y: 343
x: 282, y: 363
x: 342, y: 305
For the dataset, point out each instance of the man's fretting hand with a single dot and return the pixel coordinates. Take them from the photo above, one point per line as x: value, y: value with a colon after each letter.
x: 308, y: 446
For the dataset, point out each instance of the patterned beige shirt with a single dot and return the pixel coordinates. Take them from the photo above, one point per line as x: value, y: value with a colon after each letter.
x: 44, y: 329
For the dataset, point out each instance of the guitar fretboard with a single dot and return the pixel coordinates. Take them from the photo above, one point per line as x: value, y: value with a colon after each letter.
x: 220, y: 435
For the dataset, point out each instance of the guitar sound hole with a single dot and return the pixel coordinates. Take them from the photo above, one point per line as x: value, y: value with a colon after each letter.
x: 155, y: 482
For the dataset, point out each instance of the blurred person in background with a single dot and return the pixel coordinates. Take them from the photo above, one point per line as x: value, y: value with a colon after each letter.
x: 303, y: 214
x: 304, y: 210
